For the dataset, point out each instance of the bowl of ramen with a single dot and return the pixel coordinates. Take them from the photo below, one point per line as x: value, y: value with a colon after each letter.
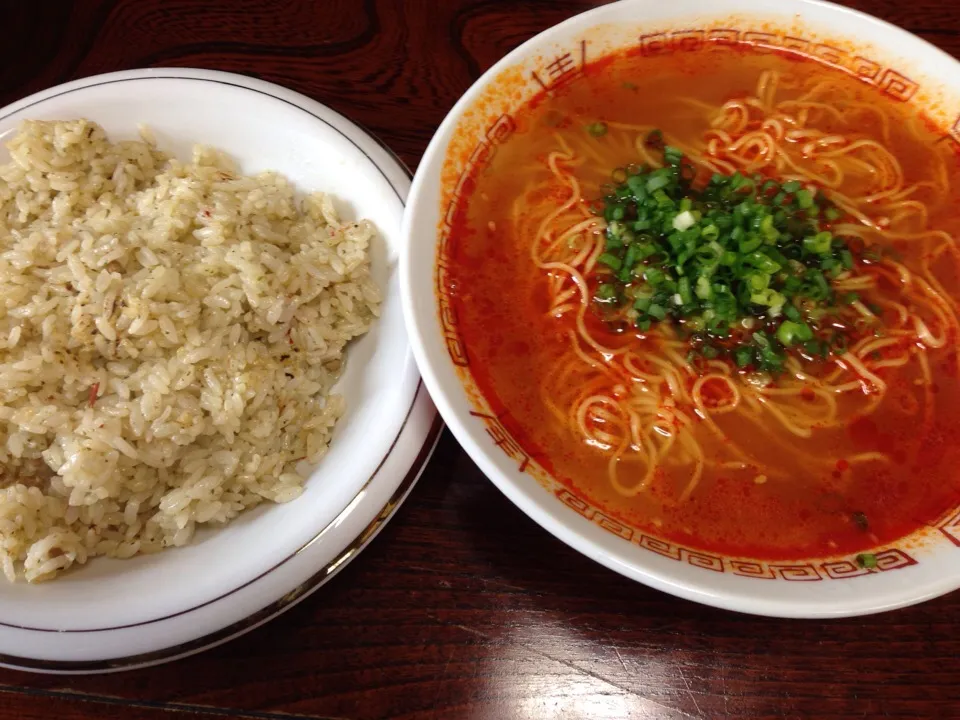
x: 683, y: 282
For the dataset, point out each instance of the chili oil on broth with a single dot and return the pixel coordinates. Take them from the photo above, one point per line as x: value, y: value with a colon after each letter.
x: 825, y: 494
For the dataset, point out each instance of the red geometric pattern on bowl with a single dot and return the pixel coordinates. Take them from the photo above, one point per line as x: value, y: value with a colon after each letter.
x: 955, y: 130
x: 949, y: 525
x: 891, y: 82
x: 889, y: 558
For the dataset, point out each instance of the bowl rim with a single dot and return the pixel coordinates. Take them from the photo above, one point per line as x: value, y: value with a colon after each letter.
x: 564, y: 524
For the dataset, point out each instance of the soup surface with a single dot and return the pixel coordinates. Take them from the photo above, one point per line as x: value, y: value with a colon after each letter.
x: 738, y: 410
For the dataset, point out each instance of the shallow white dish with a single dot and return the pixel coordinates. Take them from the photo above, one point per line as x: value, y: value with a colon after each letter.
x: 906, y: 68
x: 114, y: 614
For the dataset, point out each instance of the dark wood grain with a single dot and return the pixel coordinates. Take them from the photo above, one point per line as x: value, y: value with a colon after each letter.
x: 462, y: 607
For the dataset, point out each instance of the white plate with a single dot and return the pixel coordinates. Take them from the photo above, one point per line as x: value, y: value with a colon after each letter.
x: 123, y: 613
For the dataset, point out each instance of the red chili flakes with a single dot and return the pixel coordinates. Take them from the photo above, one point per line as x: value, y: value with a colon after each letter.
x: 94, y: 389
x: 808, y: 394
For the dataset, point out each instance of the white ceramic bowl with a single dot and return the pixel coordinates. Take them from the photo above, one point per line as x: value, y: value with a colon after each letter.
x: 906, y: 68
x: 120, y: 613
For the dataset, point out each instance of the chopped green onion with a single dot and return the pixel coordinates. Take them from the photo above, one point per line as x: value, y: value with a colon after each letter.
x: 703, y: 290
x: 758, y: 281
x: 656, y: 182
x: 790, y: 332
x: 635, y: 185
x: 672, y: 155
x: 654, y: 276
x: 606, y: 291
x: 813, y: 347
x: 768, y: 298
x: 597, y: 129
x: 762, y: 262
x: 684, y: 221
x: 742, y: 257
x: 610, y: 260
x: 818, y: 244
x: 710, y: 232
x: 804, y: 199
x: 631, y: 258
x: 767, y: 228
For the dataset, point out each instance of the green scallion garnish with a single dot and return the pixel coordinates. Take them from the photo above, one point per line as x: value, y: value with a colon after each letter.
x: 742, y: 264
x: 597, y: 129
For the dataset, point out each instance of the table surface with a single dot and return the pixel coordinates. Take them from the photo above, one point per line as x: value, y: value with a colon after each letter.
x: 462, y: 607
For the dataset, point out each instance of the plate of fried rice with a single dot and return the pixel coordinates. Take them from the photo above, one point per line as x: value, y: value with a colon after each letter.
x: 208, y: 402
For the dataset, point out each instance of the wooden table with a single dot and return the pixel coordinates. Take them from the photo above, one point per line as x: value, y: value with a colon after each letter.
x: 462, y: 608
